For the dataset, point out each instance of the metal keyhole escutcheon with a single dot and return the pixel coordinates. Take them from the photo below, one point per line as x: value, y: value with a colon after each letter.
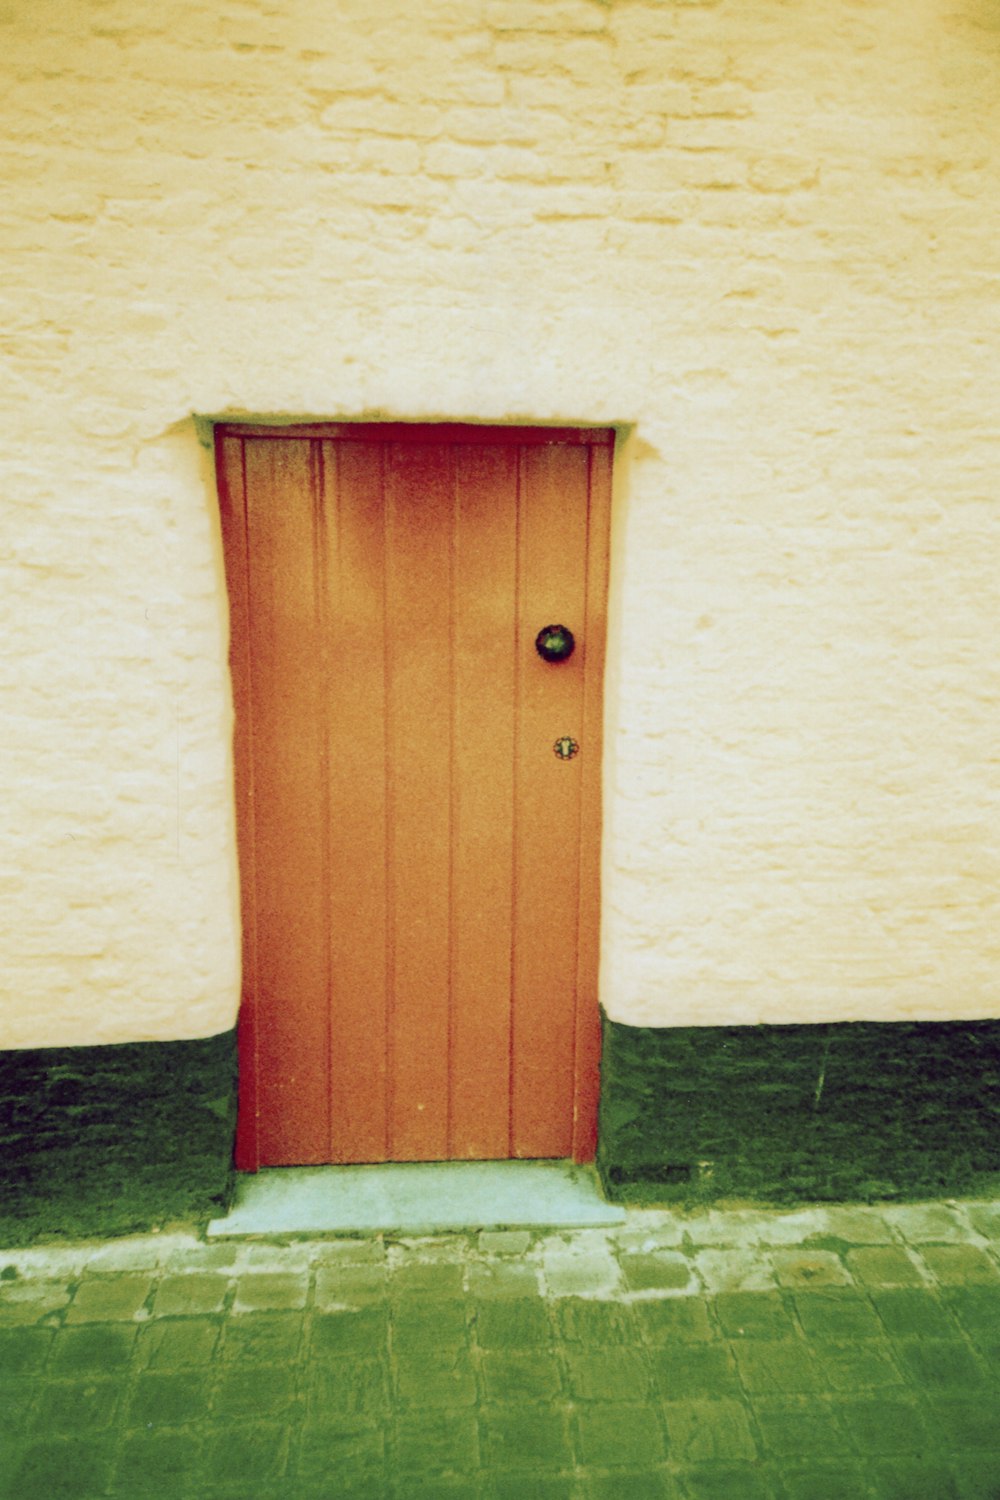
x: 565, y: 747
x: 554, y: 642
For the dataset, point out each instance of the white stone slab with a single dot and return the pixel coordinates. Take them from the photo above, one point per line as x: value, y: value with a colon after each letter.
x: 416, y: 1197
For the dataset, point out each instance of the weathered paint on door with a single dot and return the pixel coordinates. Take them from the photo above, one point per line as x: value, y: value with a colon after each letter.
x: 419, y: 868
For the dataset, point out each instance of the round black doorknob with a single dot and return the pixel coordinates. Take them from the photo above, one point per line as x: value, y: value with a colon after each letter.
x: 554, y: 642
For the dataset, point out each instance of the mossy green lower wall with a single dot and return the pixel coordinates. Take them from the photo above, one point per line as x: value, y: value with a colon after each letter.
x: 99, y: 1140
x: 857, y: 1110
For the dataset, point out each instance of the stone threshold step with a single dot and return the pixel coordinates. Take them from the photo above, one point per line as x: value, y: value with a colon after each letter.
x: 417, y: 1198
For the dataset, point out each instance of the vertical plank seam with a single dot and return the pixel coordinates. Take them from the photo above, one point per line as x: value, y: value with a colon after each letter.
x: 515, y: 796
x: 582, y: 788
x: 251, y: 811
x: 453, y: 807
x: 390, y: 902
x: 321, y: 552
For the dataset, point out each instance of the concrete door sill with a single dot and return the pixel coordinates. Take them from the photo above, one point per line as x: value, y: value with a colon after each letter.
x: 416, y: 1198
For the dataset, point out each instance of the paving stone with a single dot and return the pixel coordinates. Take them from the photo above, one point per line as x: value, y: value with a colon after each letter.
x: 791, y: 1426
x: 421, y: 1280
x: 606, y: 1372
x: 18, y: 1396
x: 838, y: 1314
x: 363, y: 1332
x: 692, y: 1371
x: 503, y: 1280
x: 157, y: 1463
x: 506, y: 1324
x: 735, y: 1270
x: 136, y: 1252
x: 826, y: 1481
x: 667, y: 1270
x: 169, y: 1398
x: 349, y: 1286
x: 976, y: 1476
x: 31, y: 1301
x: 682, y: 1319
x: 77, y: 1407
x: 909, y: 1314
x: 959, y: 1423
x: 175, y: 1343
x: 653, y: 1231
x: 926, y: 1223
x: 262, y: 1338
x: 369, y: 1250
x: 755, y: 1315
x: 349, y: 1388
x: 856, y: 1226
x: 636, y: 1484
x: 510, y: 1375
x: 882, y: 1424
x: 504, y: 1241
x: 940, y: 1364
x: 526, y: 1437
x: 109, y: 1298
x: 271, y: 1291
x: 913, y: 1479
x: 99, y: 1348
x: 351, y: 1449
x: 244, y: 1457
x: 861, y: 1366
x: 428, y: 1323
x: 441, y: 1489
x: 722, y: 1227
x: 884, y: 1265
x: 569, y: 1276
x: 437, y: 1381
x: 261, y: 1391
x: 24, y: 1350
x: 794, y: 1228
x: 581, y: 1321
x: 543, y: 1487
x: 961, y: 1265
x: 977, y: 1310
x: 204, y: 1258
x: 728, y: 1482
x: 708, y: 1431
x: 64, y: 1469
x: 774, y: 1366
x: 187, y: 1295
x: 431, y: 1442
x: 616, y: 1434
x: 266, y: 1256
x: 985, y: 1219
x: 809, y: 1268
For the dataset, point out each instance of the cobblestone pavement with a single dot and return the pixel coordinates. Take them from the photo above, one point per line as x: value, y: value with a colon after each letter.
x: 822, y: 1354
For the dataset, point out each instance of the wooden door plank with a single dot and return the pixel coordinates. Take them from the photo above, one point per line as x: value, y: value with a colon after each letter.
x: 482, y: 831
x: 286, y: 654
x: 232, y: 510
x: 354, y: 709
x: 418, y: 512
x: 552, y: 564
x: 588, y: 1017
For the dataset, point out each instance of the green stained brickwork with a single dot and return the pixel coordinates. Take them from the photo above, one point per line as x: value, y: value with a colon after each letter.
x: 860, y: 1110
x: 117, y: 1138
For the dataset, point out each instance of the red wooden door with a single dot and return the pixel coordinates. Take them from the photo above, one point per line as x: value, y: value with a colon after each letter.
x: 419, y: 867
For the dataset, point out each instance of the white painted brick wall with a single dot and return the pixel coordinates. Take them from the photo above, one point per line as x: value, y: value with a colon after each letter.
x: 765, y: 236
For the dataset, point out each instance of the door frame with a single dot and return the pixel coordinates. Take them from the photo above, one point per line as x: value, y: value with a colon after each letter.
x: 232, y: 507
